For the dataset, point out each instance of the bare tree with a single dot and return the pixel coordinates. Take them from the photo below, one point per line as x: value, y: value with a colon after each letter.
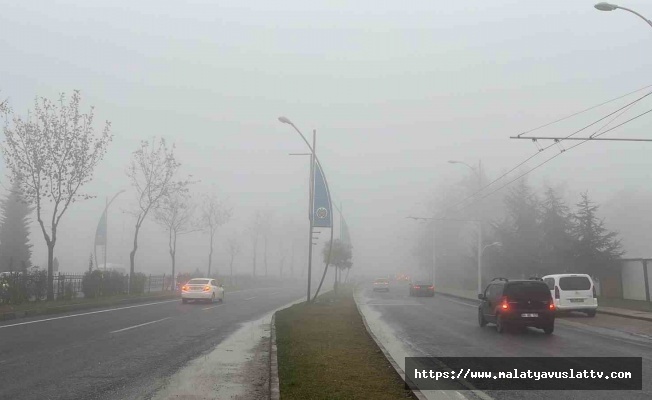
x: 254, y: 231
x: 51, y: 155
x: 234, y: 250
x: 175, y: 214
x: 152, y: 173
x: 265, y: 230
x: 214, y: 214
x: 282, y: 256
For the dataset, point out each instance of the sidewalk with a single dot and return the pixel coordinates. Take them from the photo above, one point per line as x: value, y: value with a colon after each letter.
x: 617, y: 311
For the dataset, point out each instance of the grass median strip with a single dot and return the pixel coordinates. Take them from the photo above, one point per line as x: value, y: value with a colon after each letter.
x: 325, y: 352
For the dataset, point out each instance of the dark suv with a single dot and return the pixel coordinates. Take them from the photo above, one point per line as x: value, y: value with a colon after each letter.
x: 517, y: 303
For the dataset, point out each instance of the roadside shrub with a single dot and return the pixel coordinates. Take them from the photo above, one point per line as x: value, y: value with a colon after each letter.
x: 113, y: 283
x: 68, y: 291
x: 92, y: 284
x: 37, y: 284
x: 138, y: 283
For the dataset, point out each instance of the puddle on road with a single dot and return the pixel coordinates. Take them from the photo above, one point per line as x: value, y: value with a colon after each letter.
x: 236, y: 369
x: 399, y: 347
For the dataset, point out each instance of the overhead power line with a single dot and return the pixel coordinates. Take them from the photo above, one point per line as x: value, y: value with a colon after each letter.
x: 546, y: 161
x: 583, y: 111
x: 597, y: 133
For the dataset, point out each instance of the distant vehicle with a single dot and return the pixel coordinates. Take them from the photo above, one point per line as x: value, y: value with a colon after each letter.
x: 519, y: 303
x: 422, y: 288
x: 573, y: 292
x: 381, y: 284
x: 202, y: 289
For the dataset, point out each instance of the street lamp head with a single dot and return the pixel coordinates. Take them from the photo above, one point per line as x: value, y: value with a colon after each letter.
x: 285, y: 120
x: 606, y: 6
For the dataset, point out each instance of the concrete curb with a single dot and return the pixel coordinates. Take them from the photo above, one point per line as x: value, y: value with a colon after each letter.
x: 274, y: 385
x: 77, y: 307
x: 274, y: 381
x: 641, y: 318
x: 399, y: 370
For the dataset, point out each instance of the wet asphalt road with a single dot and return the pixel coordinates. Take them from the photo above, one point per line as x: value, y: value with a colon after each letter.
x: 446, y: 326
x: 120, y: 353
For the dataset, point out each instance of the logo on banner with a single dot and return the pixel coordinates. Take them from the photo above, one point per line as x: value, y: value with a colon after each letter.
x: 321, y: 213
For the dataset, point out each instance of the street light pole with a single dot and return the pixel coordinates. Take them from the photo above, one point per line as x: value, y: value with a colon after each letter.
x: 478, y: 175
x: 611, y: 7
x: 479, y: 217
x: 313, y: 158
x: 310, y: 210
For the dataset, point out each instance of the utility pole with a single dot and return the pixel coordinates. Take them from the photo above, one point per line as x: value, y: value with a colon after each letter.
x: 479, y: 217
x: 310, y: 208
x: 106, y: 224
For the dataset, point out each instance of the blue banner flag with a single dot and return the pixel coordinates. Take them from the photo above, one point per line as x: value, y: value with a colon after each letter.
x: 100, y: 233
x: 345, y: 236
x: 322, y: 207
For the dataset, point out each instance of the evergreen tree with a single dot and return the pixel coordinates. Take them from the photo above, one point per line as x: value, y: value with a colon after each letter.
x: 15, y: 249
x: 596, y: 247
x: 557, y: 241
x: 520, y: 234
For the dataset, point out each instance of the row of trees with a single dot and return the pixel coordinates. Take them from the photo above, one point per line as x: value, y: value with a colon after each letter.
x: 542, y: 235
x: 52, y: 153
x: 538, y: 233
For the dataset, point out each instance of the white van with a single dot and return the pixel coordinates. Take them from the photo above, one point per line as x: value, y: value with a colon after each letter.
x: 573, y: 292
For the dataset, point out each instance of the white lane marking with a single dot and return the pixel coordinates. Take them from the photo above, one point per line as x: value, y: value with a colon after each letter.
x: 250, y: 298
x: 88, y: 313
x: 459, y: 302
x: 138, y: 326
x: 208, y: 308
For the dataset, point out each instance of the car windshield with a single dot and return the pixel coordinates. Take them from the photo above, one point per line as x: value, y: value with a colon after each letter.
x: 574, y: 283
x: 198, y: 282
x: 423, y: 283
x: 527, y: 290
x: 381, y: 281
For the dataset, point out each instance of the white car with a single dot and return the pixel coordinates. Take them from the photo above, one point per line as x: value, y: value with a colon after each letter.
x: 381, y: 284
x: 573, y: 292
x: 199, y: 289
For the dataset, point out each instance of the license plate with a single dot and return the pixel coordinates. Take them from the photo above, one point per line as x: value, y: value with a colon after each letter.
x: 530, y: 315
x: 577, y: 300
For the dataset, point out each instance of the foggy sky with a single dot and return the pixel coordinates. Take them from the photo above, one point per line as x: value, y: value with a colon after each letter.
x: 394, y: 89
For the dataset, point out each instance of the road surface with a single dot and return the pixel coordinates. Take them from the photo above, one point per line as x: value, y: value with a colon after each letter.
x: 123, y: 352
x: 445, y: 326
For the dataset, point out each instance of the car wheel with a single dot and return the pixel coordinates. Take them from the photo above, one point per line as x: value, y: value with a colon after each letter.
x: 481, y: 321
x: 184, y: 301
x: 590, y: 313
x: 500, y: 324
x: 549, y: 329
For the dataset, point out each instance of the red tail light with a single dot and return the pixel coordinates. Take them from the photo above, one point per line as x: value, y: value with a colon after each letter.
x: 431, y: 287
x: 595, y: 294
x: 504, y: 304
x: 552, y: 306
x: 556, y: 292
x: 417, y: 287
x: 207, y: 288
